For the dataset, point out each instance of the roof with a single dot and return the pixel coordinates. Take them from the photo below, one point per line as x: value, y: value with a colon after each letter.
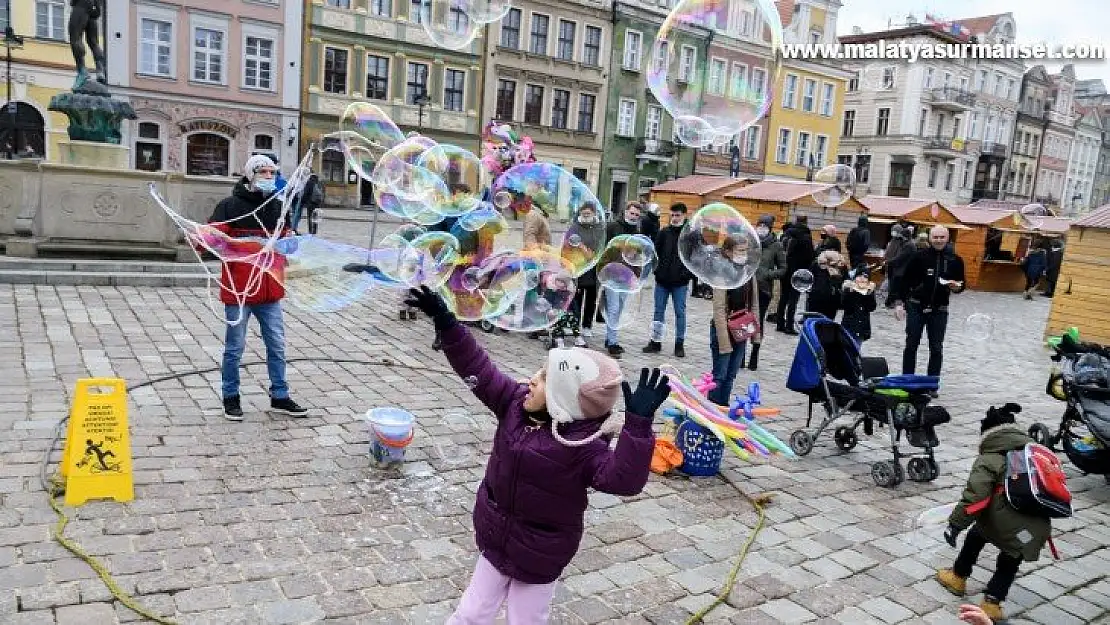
x: 982, y: 24
x: 777, y: 191
x: 786, y: 11
x: 973, y: 216
x: 900, y: 33
x: 888, y: 206
x: 997, y: 205
x: 697, y: 184
x: 1098, y: 218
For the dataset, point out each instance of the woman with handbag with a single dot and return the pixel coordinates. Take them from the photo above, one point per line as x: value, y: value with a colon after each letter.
x: 735, y: 323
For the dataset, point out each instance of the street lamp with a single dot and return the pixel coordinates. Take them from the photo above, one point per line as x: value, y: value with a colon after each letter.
x: 421, y: 101
x: 292, y: 134
x: 11, y: 40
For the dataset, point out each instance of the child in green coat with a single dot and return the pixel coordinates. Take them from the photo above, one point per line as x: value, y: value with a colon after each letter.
x: 1019, y: 537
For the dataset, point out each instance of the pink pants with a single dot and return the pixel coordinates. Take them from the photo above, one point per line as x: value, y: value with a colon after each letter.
x: 529, y: 604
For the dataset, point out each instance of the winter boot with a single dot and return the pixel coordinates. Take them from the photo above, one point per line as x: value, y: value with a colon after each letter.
x: 653, y: 347
x: 679, y: 350
x: 954, y: 583
x: 753, y: 360
x: 993, y: 608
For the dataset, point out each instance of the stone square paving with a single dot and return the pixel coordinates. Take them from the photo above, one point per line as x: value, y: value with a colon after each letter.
x: 279, y: 520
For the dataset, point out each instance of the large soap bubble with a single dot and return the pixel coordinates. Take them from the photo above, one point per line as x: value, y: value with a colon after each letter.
x: 456, y: 181
x: 802, y: 281
x: 412, y: 256
x: 366, y: 133
x: 486, y: 288
x: 623, y: 309
x: 979, y: 327
x: 841, y: 185
x: 712, y: 98
x: 720, y: 247
x: 542, y: 286
x: 1031, y: 216
x: 448, y: 23
x: 487, y: 11
x: 626, y: 264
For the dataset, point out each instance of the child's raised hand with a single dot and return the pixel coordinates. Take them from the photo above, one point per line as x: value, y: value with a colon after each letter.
x: 430, y: 304
x: 649, y: 396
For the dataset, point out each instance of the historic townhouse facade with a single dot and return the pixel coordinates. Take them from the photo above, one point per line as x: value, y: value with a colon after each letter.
x: 546, y: 71
x: 1029, y: 131
x: 1079, y: 185
x: 1052, y: 166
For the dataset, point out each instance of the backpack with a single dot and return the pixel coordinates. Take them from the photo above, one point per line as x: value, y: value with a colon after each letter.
x: 1036, y: 484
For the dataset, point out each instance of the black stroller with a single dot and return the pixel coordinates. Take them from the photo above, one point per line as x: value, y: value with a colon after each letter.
x: 1083, y: 381
x: 829, y: 369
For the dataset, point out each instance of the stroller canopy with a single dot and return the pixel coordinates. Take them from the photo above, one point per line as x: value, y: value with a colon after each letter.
x: 824, y: 348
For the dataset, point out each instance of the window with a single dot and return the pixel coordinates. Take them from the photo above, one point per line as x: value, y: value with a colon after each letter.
x: 457, y: 19
x: 849, y: 124
x: 820, y: 150
x: 686, y: 63
x: 934, y: 168
x: 739, y: 81
x: 654, y: 122
x: 789, y: 91
x: 921, y: 124
x: 334, y: 165
x: 5, y: 19
x: 263, y: 143
x: 148, y: 149
x: 626, y: 118
x: 533, y: 104
x: 949, y: 175
x: 759, y: 78
x: 998, y: 84
x: 981, y: 81
x: 506, y: 99
x: 973, y: 131
x: 631, y: 57
x: 586, y: 103
x: 928, y: 82
x: 883, y: 125
x: 751, y: 145
x: 258, y: 63
x: 417, y: 10
x: 454, y: 81
x: 863, y: 168
x: 947, y: 79
x: 539, y: 34
x: 717, y: 77
x: 809, y: 96
x: 383, y: 8
x: 828, y: 94
x: 1011, y: 86
x: 591, y: 51
x: 335, y: 70
x: 746, y: 19
x: 963, y: 83
x: 340, y: 4
x: 207, y: 154
x: 580, y: 173
x: 662, y: 50
x: 802, y: 153
x: 377, y: 77
x: 815, y: 36
x: 50, y: 19
x: 208, y: 55
x: 566, y: 40
x: 888, y: 78
x: 560, y: 108
x: 416, y: 82
x: 782, y: 150
x: 510, y: 30
x: 156, y: 47
x: 853, y: 82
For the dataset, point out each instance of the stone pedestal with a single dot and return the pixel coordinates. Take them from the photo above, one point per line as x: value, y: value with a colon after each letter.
x: 92, y: 154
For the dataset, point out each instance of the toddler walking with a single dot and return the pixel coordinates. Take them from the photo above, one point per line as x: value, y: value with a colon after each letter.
x: 550, y: 448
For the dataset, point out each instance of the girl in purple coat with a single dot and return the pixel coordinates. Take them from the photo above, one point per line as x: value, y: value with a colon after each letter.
x: 550, y: 448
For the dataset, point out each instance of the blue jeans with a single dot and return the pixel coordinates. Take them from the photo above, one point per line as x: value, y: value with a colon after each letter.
x: 235, y: 340
x: 725, y: 367
x: 614, y: 305
x: 678, y: 296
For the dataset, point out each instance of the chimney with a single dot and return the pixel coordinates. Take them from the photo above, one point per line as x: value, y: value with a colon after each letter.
x: 856, y: 30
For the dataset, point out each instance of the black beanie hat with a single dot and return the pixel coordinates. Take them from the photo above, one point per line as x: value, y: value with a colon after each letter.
x: 999, y: 416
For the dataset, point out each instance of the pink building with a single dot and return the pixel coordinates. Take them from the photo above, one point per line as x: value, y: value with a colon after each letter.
x: 212, y: 81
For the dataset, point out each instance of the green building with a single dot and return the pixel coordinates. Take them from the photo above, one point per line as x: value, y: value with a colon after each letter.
x: 639, y: 147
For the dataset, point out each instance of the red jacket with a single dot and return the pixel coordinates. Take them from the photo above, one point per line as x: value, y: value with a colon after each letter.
x: 233, y: 216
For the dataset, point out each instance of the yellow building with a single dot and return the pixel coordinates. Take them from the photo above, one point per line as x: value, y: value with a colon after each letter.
x: 41, y: 68
x: 803, y: 130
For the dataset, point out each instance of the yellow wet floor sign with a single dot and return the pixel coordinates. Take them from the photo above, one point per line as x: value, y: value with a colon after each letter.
x: 96, y: 462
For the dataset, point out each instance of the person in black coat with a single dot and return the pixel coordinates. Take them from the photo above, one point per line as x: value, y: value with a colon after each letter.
x: 672, y: 281
x: 932, y: 274
x: 1052, y: 273
x: 859, y: 241
x: 858, y: 303
x: 798, y: 242
x: 828, y: 280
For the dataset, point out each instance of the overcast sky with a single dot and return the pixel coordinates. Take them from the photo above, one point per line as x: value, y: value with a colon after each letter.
x: 1050, y: 21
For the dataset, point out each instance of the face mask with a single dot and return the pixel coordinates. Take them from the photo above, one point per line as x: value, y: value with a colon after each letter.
x: 265, y: 185
x: 587, y: 220
x: 762, y: 231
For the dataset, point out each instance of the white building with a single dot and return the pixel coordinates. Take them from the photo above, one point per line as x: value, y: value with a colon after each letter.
x: 1083, y: 162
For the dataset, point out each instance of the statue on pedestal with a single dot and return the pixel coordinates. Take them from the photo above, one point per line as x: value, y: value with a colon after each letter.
x: 93, y: 114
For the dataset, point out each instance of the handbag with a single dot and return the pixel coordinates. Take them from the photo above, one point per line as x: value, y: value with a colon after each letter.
x: 742, y: 325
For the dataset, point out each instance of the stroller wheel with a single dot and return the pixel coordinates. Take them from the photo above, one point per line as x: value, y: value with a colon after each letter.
x: 887, y: 473
x: 486, y: 326
x: 801, y: 442
x: 845, y: 438
x: 922, y: 470
x: 1040, y: 434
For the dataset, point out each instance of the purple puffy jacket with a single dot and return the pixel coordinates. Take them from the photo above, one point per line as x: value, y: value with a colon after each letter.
x: 528, y: 519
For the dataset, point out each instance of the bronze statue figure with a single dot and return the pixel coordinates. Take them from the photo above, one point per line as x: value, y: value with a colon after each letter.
x: 83, y: 25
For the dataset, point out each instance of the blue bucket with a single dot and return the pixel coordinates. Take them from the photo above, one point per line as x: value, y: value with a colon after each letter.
x: 702, y: 451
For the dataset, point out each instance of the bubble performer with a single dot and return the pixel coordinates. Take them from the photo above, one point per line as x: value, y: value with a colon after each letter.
x: 246, y: 290
x: 529, y: 513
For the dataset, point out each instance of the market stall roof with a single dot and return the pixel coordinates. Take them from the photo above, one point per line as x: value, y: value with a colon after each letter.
x: 1003, y: 220
x: 777, y: 191
x: 889, y: 206
x: 697, y: 184
x: 1098, y: 218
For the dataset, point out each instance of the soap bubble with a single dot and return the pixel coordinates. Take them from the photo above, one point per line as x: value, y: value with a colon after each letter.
x: 574, y: 240
x: 484, y: 289
x: 447, y: 23
x: 542, y: 286
x: 621, y: 309
x: 720, y: 247
x: 712, y: 100
x: 487, y: 11
x: 927, y: 529
x: 402, y: 188
x: 626, y: 263
x: 471, y: 278
x: 979, y: 327
x: 560, y: 195
x: 456, y: 181
x: 802, y: 280
x: 842, y: 185
x: 314, y: 279
x: 502, y: 199
x: 1031, y: 216
x: 478, y: 218
x: 366, y: 133
x: 452, y: 445
x: 428, y: 259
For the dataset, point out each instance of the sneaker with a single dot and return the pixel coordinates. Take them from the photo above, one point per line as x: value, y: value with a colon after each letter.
x: 287, y: 406
x: 653, y: 347
x: 952, y: 583
x: 402, y: 315
x: 679, y: 350
x: 993, y: 609
x: 232, y: 410
x: 587, y: 333
x: 412, y: 315
x: 580, y: 342
x: 615, y: 350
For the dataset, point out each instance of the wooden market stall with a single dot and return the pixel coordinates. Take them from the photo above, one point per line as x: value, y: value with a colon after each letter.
x: 1082, y: 297
x: 785, y: 200
x: 996, y: 245
x: 883, y: 211
x: 694, y: 191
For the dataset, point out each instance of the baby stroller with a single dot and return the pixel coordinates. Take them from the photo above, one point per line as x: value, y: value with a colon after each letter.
x: 830, y: 371
x: 1083, y: 381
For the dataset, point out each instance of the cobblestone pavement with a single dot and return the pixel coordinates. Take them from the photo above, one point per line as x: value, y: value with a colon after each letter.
x: 278, y: 520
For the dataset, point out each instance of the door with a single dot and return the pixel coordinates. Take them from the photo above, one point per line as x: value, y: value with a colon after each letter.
x: 365, y: 193
x: 901, y: 176
x: 617, y: 198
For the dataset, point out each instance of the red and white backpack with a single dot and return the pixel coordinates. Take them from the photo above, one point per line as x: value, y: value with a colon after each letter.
x: 1036, y: 484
